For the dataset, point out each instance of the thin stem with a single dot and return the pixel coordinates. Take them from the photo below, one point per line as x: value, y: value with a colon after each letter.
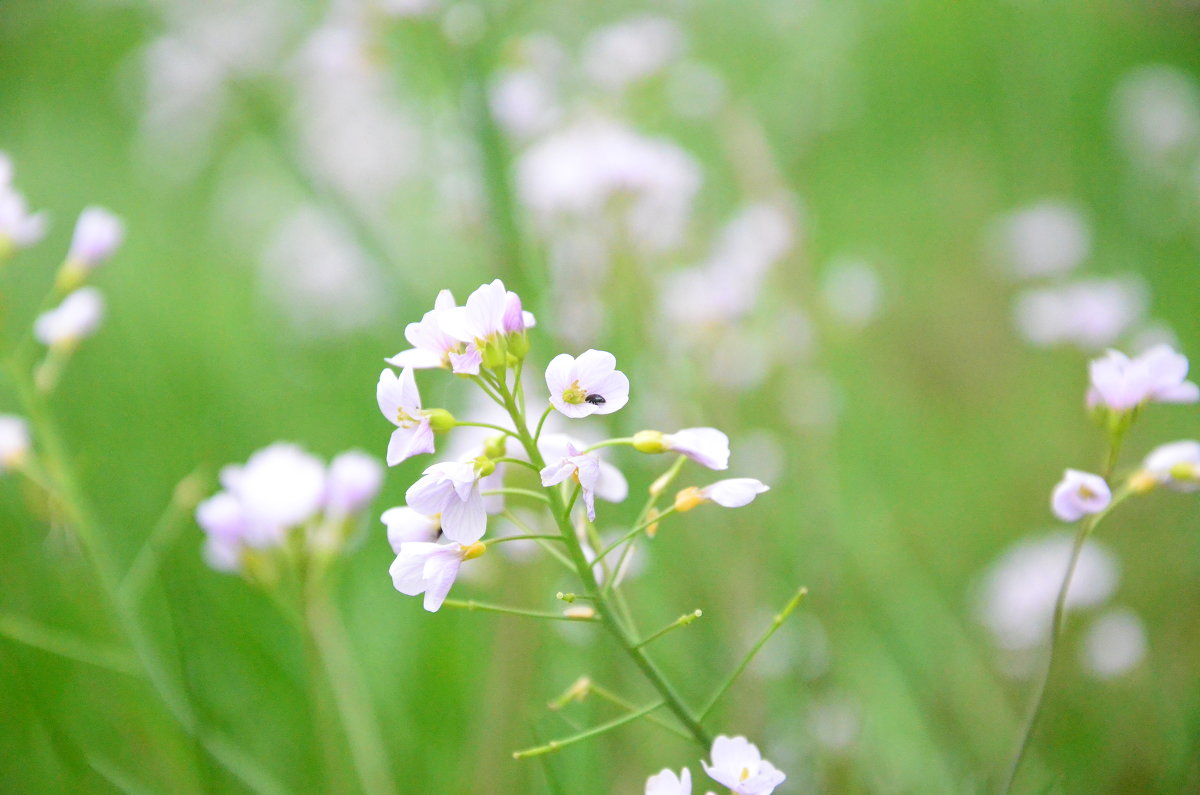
x: 519, y: 461
x: 682, y: 621
x: 1056, y: 627
x: 554, y: 552
x: 537, y: 435
x: 64, y: 644
x: 511, y: 611
x: 630, y: 535
x: 776, y: 623
x: 536, y: 495
x: 489, y: 390
x: 162, y: 535
x: 524, y: 537
x: 618, y: 442
x: 555, y: 745
x: 497, y: 428
x: 613, y: 698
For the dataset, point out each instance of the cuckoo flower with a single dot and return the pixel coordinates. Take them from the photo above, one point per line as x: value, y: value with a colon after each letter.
x: 97, y: 235
x: 431, y: 346
x: 14, y: 441
x: 490, y: 314
x: 584, y: 467
x: 706, y: 446
x: 400, y: 402
x: 354, y: 480
x: 611, y: 486
x: 591, y: 384
x: 1175, y: 465
x: 404, y: 525
x: 730, y: 493
x: 1079, y: 494
x: 667, y: 783
x: 278, y: 488
x: 77, y: 317
x: 428, y: 568
x: 452, y: 490
x: 224, y: 523
x: 1121, y: 384
x: 19, y: 228
x: 737, y: 764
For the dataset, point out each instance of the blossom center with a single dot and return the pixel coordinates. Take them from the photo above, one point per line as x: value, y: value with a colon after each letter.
x: 406, y: 420
x: 574, y: 394
x: 1086, y: 493
x: 745, y: 774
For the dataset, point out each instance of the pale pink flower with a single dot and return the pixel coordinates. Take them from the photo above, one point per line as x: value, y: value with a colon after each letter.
x: 737, y: 764
x: 584, y: 467
x: 353, y: 481
x: 611, y: 486
x: 706, y: 446
x: 97, y: 235
x: 404, y: 525
x: 452, y: 490
x: 1175, y: 465
x: 278, y: 488
x: 14, y: 441
x: 224, y: 522
x: 667, y: 783
x: 588, y: 385
x: 1158, y: 375
x: 431, y: 345
x: 77, y: 317
x: 730, y: 493
x: 400, y: 402
x: 1079, y: 494
x: 19, y: 227
x: 428, y: 568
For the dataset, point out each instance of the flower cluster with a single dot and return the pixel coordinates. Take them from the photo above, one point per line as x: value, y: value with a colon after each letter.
x: 282, y: 502
x: 736, y: 764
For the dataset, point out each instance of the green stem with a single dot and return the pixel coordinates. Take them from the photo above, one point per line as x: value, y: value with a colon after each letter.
x: 519, y: 461
x: 682, y: 621
x: 511, y: 611
x: 64, y: 644
x: 631, y: 534
x: 139, y: 574
x: 625, y: 705
x: 525, y: 537
x: 776, y: 623
x: 497, y: 428
x: 537, y: 435
x: 536, y: 495
x: 555, y: 745
x: 618, y: 442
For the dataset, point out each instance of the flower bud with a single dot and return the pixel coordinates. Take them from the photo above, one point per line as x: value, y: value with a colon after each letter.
x: 652, y: 528
x: 580, y: 612
x: 494, y: 353
x: 473, y: 551
x: 1142, y: 483
x: 518, y: 345
x: 649, y: 442
x: 484, y: 466
x: 440, y: 420
x: 688, y: 498
x: 495, y: 446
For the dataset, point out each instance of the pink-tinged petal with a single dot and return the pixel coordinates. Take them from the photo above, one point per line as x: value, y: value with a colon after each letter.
x: 528, y: 319
x: 429, y: 495
x: 556, y: 472
x: 593, y: 366
x: 465, y: 521
x: 417, y: 359
x: 468, y: 362
x: 706, y: 446
x: 615, y: 390
x: 444, y: 300
x: 409, y: 395
x: 1187, y: 392
x: 389, y: 395
x: 407, y: 442
x: 486, y: 306
x: 404, y: 525
x: 1063, y: 503
x: 559, y: 376
x: 440, y: 573
x: 735, y: 492
x: 514, y: 318
x: 406, y: 571
x: 456, y: 323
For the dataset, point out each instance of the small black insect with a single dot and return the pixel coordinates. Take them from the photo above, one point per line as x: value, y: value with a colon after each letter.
x: 595, y: 400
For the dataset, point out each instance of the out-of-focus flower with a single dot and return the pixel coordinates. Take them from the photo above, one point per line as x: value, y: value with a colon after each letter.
x: 584, y: 467
x: 404, y: 524
x: 1049, y: 238
x: 737, y: 764
x: 610, y: 486
x: 1079, y: 494
x: 1175, y: 465
x: 19, y: 228
x: 631, y: 50
x: 407, y: 8
x: 523, y: 102
x: 1114, y: 645
x: 706, y: 446
x: 1091, y: 313
x: 591, y: 384
x: 97, y: 235
x: 667, y: 783
x: 835, y: 722
x: 1120, y: 383
x: 76, y: 318
x: 353, y: 481
x: 428, y: 568
x: 14, y: 441
x: 1157, y: 114
x: 695, y: 90
x: 278, y: 488
x: 730, y: 493
x: 452, y: 490
x: 852, y: 292
x: 6, y: 170
x: 224, y: 523
x: 400, y: 402
x: 1017, y: 594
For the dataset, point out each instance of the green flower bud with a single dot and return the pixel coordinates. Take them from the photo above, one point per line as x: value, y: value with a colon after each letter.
x: 495, y: 446
x: 649, y: 442
x: 440, y: 420
x: 484, y: 466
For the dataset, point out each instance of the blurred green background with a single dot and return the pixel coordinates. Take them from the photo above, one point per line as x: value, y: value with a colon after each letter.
x: 906, y: 453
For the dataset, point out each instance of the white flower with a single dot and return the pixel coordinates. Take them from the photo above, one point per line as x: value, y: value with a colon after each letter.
x: 1089, y: 313
x: 428, y: 568
x: 706, y: 446
x: 1175, y: 465
x: 97, y: 235
x: 631, y: 50
x: 1079, y: 494
x: 1049, y: 238
x: 611, y: 486
x: 6, y: 170
x: 224, y: 523
x: 1114, y: 644
x: 667, y: 783
x: 400, y: 402
x: 14, y: 441
x: 18, y: 227
x: 452, y: 490
x: 280, y: 487
x: 852, y: 291
x: 737, y: 764
x: 353, y: 481
x: 490, y: 311
x: 431, y: 345
x: 77, y: 317
x: 584, y: 467
x: 1121, y: 383
x: 730, y: 493
x: 590, y: 384
x: 404, y: 525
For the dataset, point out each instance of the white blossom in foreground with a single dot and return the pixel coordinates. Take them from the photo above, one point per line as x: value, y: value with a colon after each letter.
x: 631, y: 50
x: 1090, y: 313
x: 1120, y: 383
x: 1079, y: 494
x: 19, y: 228
x: 491, y: 312
x: 353, y: 481
x: 667, y: 783
x: 98, y: 234
x: 76, y: 318
x: 1114, y: 645
x: 737, y: 764
x: 14, y: 441
x: 584, y: 467
x: 428, y: 568
x: 1049, y: 238
x: 1175, y: 465
x: 404, y: 525
x: 611, y: 485
x: 731, y: 493
x: 588, y: 385
x: 431, y: 345
x: 1016, y: 596
x: 706, y: 446
x: 452, y: 490
x: 400, y: 402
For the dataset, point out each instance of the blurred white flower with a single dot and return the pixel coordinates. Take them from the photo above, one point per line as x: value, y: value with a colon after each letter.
x: 97, y: 235
x: 279, y: 488
x: 1175, y: 465
x: 631, y: 50
x: 19, y: 228
x: 354, y: 480
x: 76, y: 318
x: 706, y: 446
x: 1114, y: 645
x: 1049, y: 238
x: 835, y: 722
x: 729, y: 493
x: 1120, y: 383
x: 1090, y: 314
x: 852, y: 292
x: 224, y: 523
x: 1017, y: 594
x: 591, y: 384
x: 523, y: 102
x: 14, y: 441
x: 667, y: 783
x: 737, y: 764
x: 1156, y: 110
x: 1079, y: 494
x: 406, y: 8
